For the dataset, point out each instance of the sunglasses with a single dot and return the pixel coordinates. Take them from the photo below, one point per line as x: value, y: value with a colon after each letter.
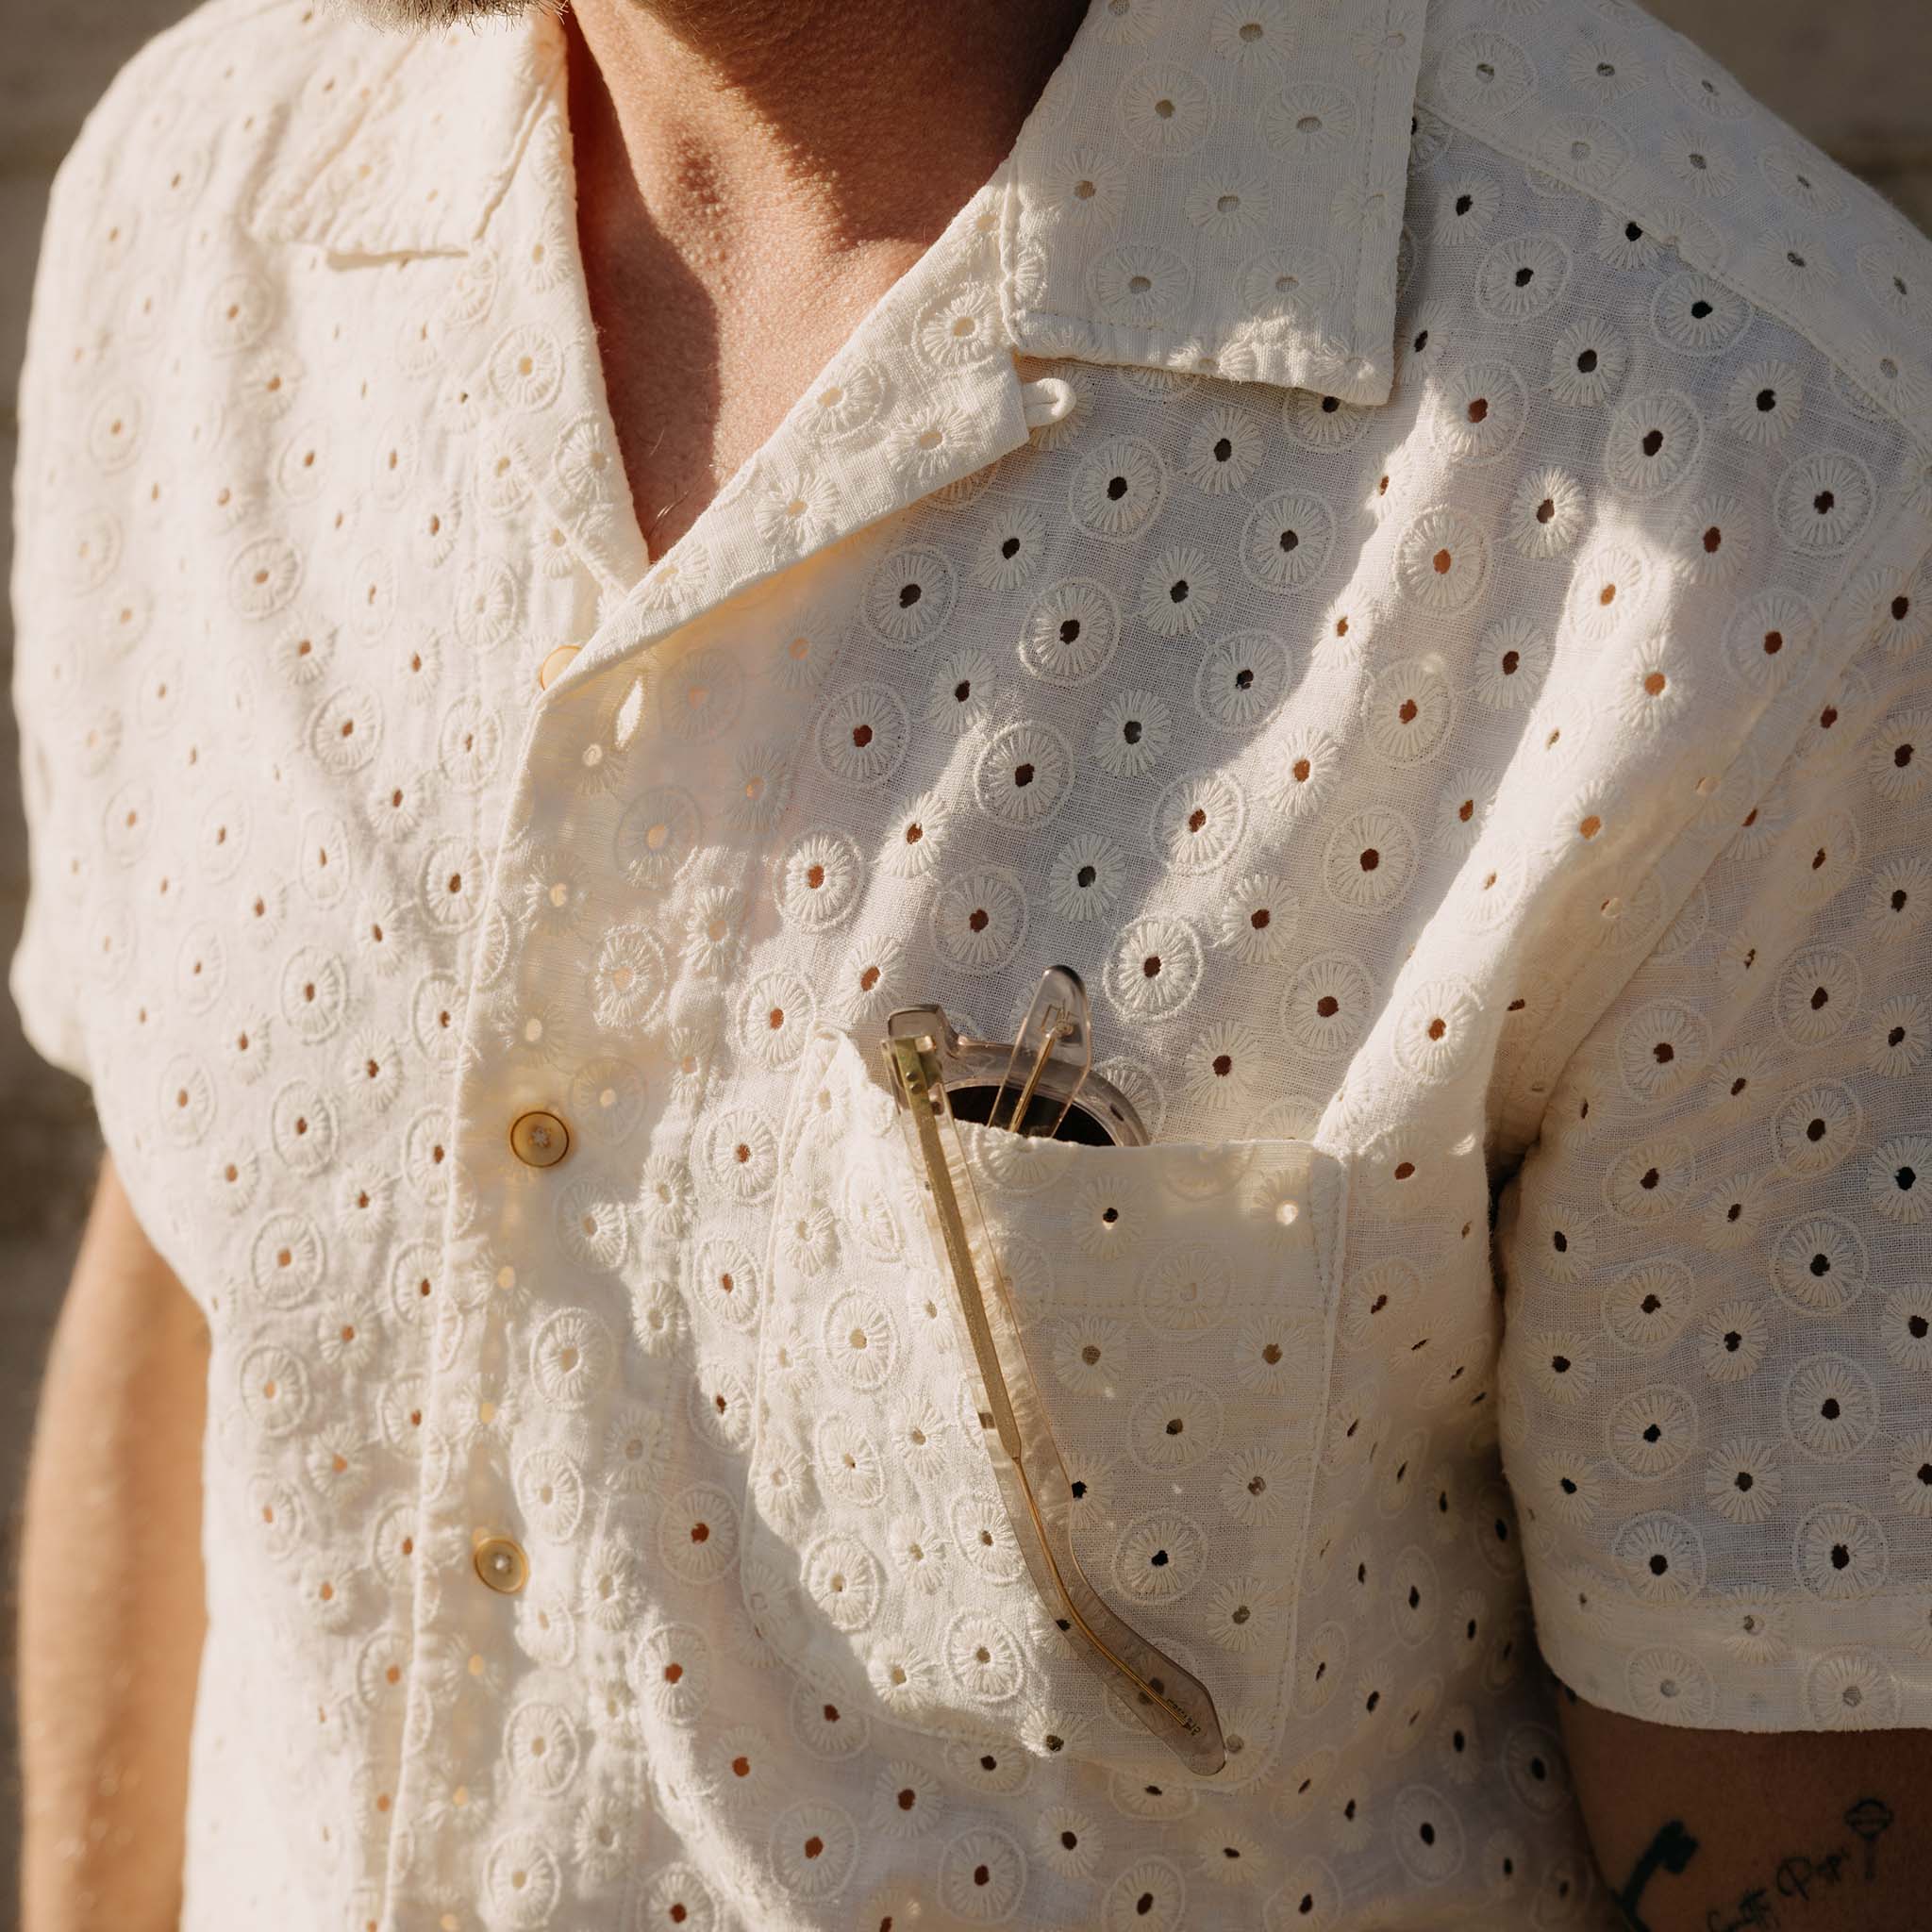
x: 1040, y: 1086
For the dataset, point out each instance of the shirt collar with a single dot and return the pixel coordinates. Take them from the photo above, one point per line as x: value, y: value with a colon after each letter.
x: 1220, y: 189
x: 406, y: 144
x: 1198, y: 189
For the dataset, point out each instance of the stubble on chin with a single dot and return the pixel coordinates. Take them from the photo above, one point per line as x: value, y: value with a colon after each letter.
x: 430, y: 16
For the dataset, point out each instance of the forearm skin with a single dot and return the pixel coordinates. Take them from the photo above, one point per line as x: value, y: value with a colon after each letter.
x: 1739, y: 1831
x: 111, y: 1599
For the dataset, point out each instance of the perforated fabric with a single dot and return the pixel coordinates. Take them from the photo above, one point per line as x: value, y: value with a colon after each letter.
x: 1398, y: 555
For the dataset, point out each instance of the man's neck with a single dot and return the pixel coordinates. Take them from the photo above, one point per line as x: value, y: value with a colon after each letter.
x: 833, y: 124
x: 751, y: 177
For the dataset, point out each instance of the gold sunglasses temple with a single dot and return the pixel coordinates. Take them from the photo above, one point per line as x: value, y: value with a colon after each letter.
x: 1057, y: 1018
x: 1015, y: 1121
x: 911, y: 1069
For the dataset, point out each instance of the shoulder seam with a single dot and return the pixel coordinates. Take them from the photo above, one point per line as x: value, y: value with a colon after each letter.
x: 1648, y: 218
x: 1517, y: 1115
x: 150, y: 63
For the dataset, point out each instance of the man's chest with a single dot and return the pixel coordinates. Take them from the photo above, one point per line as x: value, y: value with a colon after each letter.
x: 1141, y: 698
x: 1218, y: 692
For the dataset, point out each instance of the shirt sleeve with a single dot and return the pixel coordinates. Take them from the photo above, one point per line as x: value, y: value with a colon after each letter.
x: 1716, y: 1376
x: 67, y: 526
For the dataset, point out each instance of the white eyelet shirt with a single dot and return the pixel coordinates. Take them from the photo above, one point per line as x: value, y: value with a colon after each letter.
x: 1396, y: 551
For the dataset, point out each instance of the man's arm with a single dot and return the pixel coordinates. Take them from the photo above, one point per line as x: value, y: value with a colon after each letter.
x: 110, y: 1591
x: 1730, y: 1831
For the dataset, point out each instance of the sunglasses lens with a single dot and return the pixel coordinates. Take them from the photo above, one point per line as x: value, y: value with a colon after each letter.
x: 1046, y: 1116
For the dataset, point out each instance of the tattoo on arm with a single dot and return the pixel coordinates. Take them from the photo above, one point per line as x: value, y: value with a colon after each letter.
x: 1671, y: 1849
x: 1870, y: 1818
x: 1799, y: 1875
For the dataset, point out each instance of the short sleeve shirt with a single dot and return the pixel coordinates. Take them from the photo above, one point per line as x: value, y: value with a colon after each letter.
x: 1396, y: 548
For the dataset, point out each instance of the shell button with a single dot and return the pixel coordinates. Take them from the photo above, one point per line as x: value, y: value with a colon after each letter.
x: 501, y: 1563
x: 538, y: 1138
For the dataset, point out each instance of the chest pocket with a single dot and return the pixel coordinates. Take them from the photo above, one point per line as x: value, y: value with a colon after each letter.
x: 1173, y: 1303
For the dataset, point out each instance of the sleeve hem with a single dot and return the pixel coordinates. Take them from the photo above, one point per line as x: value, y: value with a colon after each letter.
x: 55, y: 1036
x: 1749, y: 1661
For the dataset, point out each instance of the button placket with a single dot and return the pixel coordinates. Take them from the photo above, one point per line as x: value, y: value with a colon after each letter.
x: 925, y: 436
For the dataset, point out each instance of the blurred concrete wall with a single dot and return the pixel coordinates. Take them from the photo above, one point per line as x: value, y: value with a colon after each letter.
x: 1855, y: 76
